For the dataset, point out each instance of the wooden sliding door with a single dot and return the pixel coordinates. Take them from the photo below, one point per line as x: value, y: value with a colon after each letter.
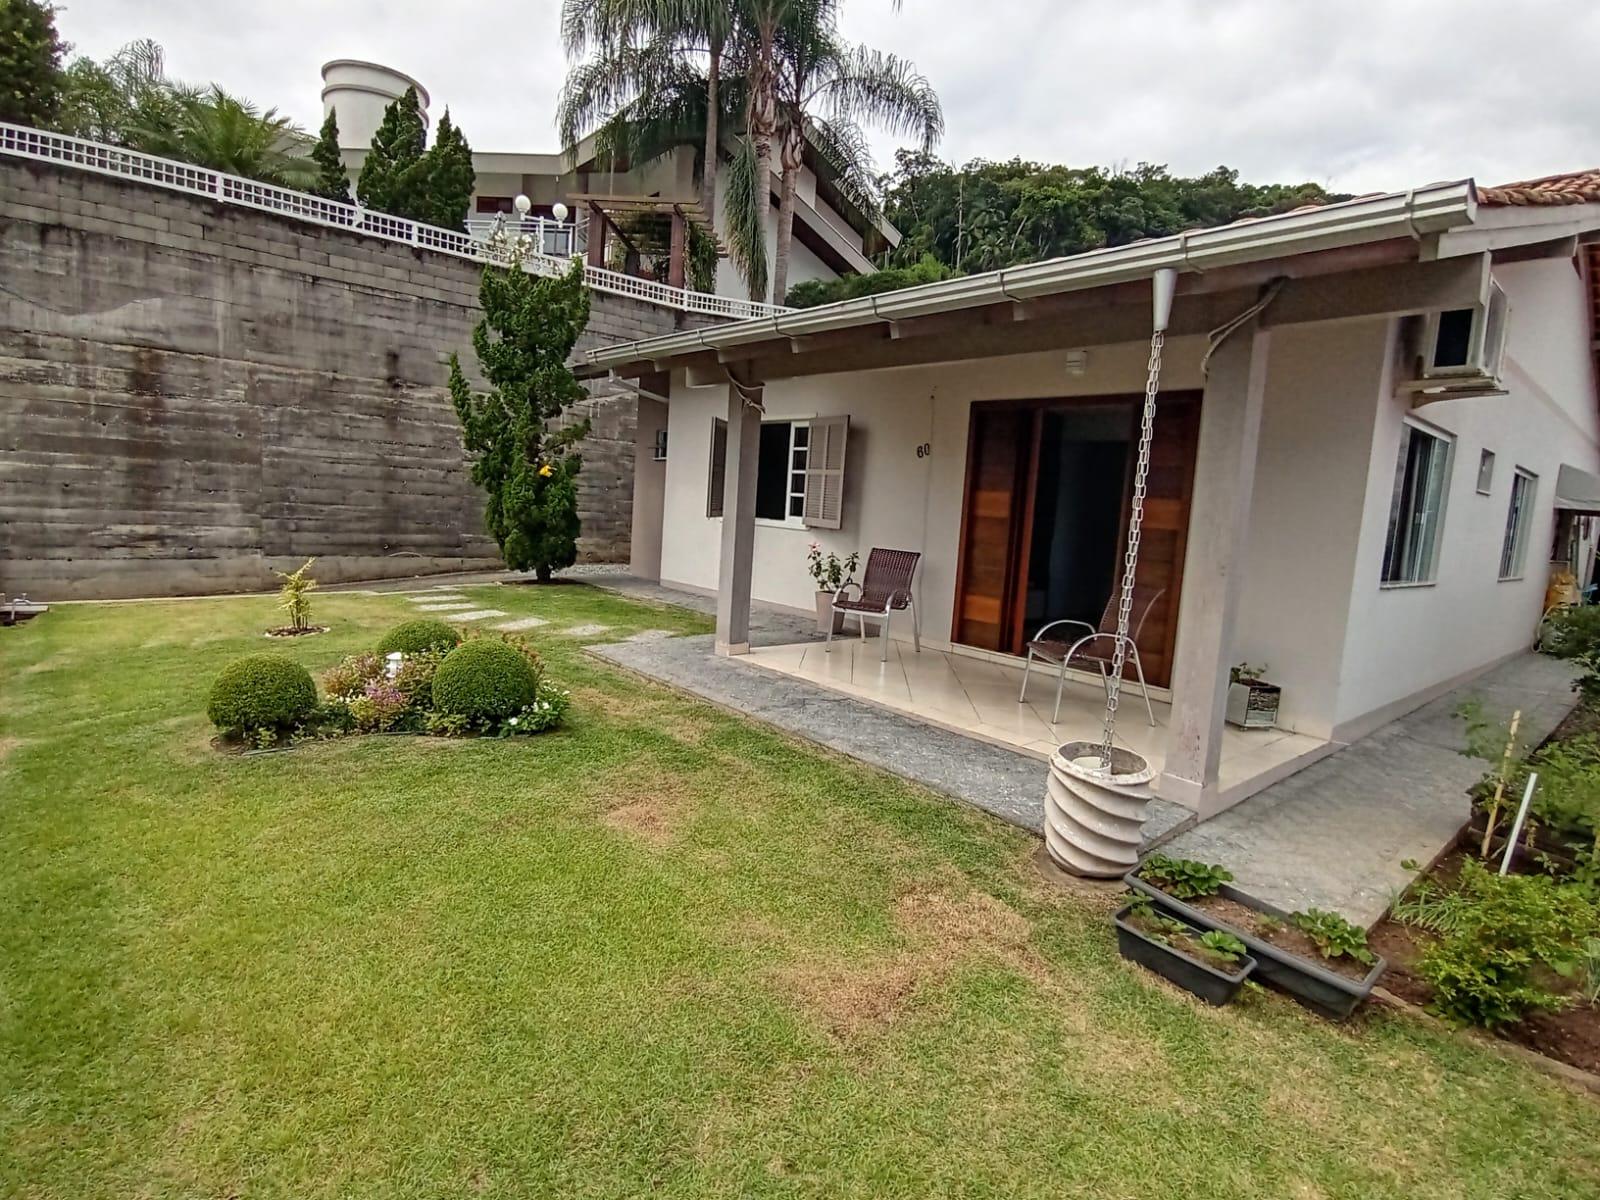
x: 998, y: 520
x: 999, y: 453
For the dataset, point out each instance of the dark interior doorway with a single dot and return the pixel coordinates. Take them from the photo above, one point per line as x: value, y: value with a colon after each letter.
x: 1077, y: 513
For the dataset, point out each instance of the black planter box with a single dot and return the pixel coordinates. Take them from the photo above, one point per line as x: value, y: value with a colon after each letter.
x: 1307, y: 981
x: 1211, y: 985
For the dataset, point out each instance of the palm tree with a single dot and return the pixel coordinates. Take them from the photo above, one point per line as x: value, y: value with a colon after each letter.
x: 643, y: 48
x: 213, y: 129
x: 825, y: 89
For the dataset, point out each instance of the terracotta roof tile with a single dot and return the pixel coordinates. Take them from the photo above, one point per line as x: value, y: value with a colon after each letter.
x: 1574, y: 187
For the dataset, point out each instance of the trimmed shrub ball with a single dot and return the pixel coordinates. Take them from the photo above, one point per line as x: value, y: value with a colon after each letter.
x: 261, y: 691
x: 416, y: 636
x: 483, y: 680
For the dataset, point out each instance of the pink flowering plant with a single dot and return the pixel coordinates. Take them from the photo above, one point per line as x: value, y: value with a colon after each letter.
x: 381, y: 706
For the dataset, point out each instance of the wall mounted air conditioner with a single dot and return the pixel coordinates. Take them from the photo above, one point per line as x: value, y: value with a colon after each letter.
x: 1460, y: 351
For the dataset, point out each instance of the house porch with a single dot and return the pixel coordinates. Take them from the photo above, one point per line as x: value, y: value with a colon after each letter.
x: 975, y: 695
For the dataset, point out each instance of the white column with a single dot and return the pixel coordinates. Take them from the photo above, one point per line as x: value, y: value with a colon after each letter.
x: 1213, y: 569
x: 738, y: 521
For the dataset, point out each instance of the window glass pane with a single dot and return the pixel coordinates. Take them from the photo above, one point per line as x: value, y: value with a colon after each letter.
x: 802, y: 435
x: 797, y: 506
x: 1416, y: 508
x: 1519, y: 516
x: 772, y: 471
x: 1486, y: 472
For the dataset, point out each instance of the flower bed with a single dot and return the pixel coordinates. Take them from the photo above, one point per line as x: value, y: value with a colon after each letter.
x: 1509, y: 956
x: 481, y: 687
x: 1317, y: 957
x: 1517, y: 954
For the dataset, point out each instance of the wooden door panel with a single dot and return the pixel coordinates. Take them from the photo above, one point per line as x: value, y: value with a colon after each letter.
x: 1168, y: 491
x: 986, y: 581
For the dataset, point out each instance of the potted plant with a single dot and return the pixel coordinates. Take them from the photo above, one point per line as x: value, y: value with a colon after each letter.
x: 1252, y: 701
x: 1317, y: 957
x: 831, y: 573
x: 1210, y: 963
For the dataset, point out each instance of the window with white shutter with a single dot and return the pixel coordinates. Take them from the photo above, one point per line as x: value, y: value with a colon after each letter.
x: 824, y: 472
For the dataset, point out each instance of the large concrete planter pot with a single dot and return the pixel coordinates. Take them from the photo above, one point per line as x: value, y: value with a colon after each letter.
x: 826, y: 617
x: 1093, y: 814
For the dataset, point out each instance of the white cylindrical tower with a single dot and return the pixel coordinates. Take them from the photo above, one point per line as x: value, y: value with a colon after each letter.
x: 359, y: 92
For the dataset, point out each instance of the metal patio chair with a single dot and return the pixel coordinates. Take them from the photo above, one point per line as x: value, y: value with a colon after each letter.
x: 1095, y: 646
x: 885, y: 589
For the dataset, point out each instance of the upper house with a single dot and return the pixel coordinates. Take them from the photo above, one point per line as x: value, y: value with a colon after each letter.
x: 629, y: 216
x: 1377, y: 436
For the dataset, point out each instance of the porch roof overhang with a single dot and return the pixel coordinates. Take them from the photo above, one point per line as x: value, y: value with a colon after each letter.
x: 1577, y: 491
x: 1102, y: 296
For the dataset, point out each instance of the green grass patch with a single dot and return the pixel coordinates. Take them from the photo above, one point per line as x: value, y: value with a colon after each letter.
x: 663, y: 950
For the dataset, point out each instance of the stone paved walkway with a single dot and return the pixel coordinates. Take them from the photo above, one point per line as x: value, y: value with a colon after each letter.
x: 1002, y: 782
x: 1334, y: 835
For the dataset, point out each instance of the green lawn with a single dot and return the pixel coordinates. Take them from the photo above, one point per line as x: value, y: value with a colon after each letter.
x: 663, y: 951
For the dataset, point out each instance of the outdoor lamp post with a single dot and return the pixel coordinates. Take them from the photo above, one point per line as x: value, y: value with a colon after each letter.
x: 559, y: 212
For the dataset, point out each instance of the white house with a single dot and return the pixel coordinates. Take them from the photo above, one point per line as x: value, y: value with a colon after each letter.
x: 1377, y: 426
x: 833, y: 236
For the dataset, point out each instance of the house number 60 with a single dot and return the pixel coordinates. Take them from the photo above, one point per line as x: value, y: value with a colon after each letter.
x: 925, y: 449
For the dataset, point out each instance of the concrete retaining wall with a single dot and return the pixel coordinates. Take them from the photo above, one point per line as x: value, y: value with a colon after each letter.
x: 193, y: 394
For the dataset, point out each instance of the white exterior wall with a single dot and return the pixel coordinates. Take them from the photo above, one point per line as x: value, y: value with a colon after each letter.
x: 1306, y: 512
x: 893, y: 498
x: 1405, y: 642
x: 803, y: 264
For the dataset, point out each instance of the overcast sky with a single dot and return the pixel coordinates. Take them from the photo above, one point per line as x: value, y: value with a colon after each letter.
x: 1359, y: 96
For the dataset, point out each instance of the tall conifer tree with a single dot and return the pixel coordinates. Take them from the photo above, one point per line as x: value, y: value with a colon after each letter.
x: 333, y: 181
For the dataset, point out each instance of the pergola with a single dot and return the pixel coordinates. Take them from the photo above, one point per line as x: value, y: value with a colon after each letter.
x: 666, y: 222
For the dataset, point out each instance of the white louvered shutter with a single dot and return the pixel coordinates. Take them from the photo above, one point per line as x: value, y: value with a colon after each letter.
x: 717, y: 477
x: 824, y: 508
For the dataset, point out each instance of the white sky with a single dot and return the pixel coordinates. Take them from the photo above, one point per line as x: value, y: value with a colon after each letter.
x: 1361, y: 96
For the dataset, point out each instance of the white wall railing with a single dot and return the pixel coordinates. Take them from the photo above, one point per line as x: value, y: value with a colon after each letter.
x: 20, y: 141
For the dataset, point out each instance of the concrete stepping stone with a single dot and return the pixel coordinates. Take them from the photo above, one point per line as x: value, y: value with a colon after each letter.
x: 453, y: 606
x: 522, y: 623
x: 650, y: 635
x: 436, y: 597
x: 476, y: 614
x: 585, y: 630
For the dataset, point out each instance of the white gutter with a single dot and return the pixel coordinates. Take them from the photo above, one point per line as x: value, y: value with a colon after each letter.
x: 1415, y: 214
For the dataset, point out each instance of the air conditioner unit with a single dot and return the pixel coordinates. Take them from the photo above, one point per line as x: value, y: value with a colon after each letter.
x: 1460, y: 351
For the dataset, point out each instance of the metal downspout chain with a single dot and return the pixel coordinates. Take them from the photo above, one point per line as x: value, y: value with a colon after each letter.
x: 1130, y: 561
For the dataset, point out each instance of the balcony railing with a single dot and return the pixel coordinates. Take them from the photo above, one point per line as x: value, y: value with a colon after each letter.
x: 550, y: 254
x: 558, y: 239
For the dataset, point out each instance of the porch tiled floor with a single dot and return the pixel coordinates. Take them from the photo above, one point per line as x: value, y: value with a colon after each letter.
x: 978, y: 697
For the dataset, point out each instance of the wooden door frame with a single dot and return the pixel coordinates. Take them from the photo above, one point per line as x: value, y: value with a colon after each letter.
x: 1022, y: 536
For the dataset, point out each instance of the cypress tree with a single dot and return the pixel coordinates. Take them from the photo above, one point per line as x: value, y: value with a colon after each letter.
x: 390, y: 176
x: 450, y: 178
x: 528, y: 468
x: 333, y: 181
x: 30, y: 62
